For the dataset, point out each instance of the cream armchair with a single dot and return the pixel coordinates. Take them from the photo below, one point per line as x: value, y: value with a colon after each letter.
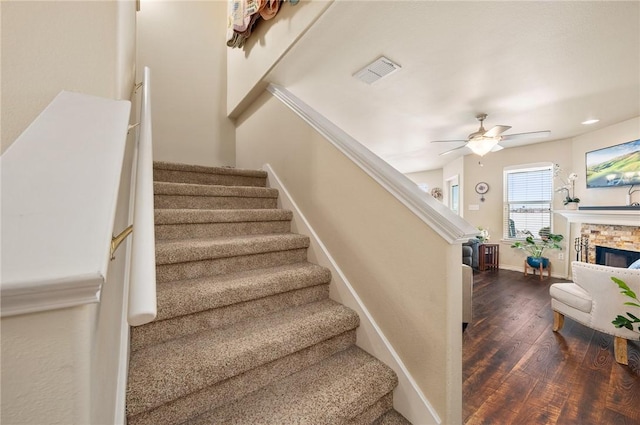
x: 594, y: 300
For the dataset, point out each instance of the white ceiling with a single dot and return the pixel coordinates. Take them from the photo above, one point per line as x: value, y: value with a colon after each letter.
x: 540, y: 65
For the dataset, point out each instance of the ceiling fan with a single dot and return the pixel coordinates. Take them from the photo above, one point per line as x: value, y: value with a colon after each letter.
x: 484, y: 141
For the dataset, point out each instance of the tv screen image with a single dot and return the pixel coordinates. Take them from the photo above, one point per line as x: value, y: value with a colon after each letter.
x: 614, y: 166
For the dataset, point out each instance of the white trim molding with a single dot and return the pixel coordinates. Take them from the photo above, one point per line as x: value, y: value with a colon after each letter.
x: 446, y: 223
x: 60, y: 182
x: 408, y: 399
x: 31, y: 297
x: 610, y: 217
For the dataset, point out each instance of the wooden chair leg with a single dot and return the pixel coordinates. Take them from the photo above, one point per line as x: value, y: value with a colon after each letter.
x: 541, y: 269
x: 620, y: 350
x: 558, y: 321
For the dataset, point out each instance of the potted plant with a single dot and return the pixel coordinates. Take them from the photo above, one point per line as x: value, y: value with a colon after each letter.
x: 536, y: 247
x: 570, y: 201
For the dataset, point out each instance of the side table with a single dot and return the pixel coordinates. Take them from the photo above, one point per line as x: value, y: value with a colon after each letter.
x: 489, y: 256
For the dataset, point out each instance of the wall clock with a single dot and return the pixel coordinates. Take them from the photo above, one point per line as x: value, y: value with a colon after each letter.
x: 481, y: 189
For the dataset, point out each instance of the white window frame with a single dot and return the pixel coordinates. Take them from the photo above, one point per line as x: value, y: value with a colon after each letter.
x: 506, y: 204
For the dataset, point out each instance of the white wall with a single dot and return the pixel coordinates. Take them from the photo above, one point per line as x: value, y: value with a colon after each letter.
x: 49, y: 46
x: 183, y: 42
x: 270, y: 40
x: 45, y: 367
x: 432, y: 178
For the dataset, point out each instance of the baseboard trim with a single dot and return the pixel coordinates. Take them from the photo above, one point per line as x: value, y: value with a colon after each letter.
x: 408, y: 399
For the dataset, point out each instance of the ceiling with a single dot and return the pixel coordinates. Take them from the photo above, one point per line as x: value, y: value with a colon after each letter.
x: 539, y: 65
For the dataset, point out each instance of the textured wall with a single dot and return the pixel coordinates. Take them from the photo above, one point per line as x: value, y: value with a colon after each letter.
x: 52, y: 46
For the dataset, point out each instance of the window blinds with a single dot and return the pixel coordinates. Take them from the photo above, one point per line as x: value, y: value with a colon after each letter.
x: 528, y: 201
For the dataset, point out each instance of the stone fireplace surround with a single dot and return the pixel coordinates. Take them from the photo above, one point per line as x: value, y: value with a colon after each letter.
x: 612, y: 228
x: 610, y: 236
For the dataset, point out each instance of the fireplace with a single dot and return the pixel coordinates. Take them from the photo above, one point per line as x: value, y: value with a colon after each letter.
x: 622, y: 237
x: 615, y: 257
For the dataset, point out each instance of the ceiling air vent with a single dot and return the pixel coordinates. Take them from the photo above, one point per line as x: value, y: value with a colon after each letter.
x: 381, y: 67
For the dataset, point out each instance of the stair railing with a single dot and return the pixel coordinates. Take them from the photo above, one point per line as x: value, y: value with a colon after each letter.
x: 142, y: 278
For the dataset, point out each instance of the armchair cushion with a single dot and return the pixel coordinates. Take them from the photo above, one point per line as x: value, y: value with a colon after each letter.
x: 571, y: 295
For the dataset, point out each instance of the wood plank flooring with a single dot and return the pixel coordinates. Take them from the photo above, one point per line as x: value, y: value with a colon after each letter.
x: 516, y: 370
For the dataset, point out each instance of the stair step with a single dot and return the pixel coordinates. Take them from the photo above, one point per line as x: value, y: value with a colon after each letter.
x: 184, y: 173
x: 392, y: 418
x: 187, y: 307
x: 195, y: 258
x: 196, y: 223
x: 229, y: 390
x: 375, y: 411
x: 165, y: 372
x: 185, y: 297
x: 186, y: 195
x: 334, y: 391
x: 184, y: 250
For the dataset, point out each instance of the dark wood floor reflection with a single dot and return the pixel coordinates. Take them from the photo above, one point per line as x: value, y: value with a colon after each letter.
x: 516, y: 370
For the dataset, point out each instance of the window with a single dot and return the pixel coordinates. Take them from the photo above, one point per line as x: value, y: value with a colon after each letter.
x: 528, y: 199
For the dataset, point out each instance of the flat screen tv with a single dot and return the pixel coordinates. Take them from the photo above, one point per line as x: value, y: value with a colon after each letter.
x: 614, y: 166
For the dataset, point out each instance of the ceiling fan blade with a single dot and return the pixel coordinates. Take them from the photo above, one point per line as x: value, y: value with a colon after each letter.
x: 496, y: 130
x: 448, y: 141
x: 454, y: 149
x: 524, y: 136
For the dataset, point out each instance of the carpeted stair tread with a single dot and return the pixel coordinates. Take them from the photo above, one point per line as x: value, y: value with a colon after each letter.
x: 179, y: 298
x: 191, y: 216
x: 331, y: 392
x: 222, y: 317
x: 164, y: 372
x: 392, y: 418
x: 234, y: 388
x: 373, y: 412
x: 211, y: 223
x: 190, y: 189
x: 174, y: 166
x: 185, y: 250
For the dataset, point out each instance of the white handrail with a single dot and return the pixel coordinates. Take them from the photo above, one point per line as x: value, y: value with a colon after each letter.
x: 142, y: 278
x: 450, y: 226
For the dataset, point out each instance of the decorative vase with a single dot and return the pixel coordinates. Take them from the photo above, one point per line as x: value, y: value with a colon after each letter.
x: 571, y: 206
x: 536, y: 261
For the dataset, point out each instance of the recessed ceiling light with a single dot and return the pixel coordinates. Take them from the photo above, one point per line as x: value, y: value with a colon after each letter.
x: 587, y: 122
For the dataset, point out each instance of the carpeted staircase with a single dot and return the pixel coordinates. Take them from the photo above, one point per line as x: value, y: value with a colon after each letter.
x: 246, y: 332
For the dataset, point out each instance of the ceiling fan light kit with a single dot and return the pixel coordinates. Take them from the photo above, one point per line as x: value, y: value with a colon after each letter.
x: 484, y: 141
x: 482, y: 145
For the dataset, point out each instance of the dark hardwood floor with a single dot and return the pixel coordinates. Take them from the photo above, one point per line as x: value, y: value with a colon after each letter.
x: 516, y: 370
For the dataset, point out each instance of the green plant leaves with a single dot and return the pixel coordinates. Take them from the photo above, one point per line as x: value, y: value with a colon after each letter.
x: 621, y: 321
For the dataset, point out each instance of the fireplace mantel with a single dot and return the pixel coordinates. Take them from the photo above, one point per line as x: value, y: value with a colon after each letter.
x: 621, y: 217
